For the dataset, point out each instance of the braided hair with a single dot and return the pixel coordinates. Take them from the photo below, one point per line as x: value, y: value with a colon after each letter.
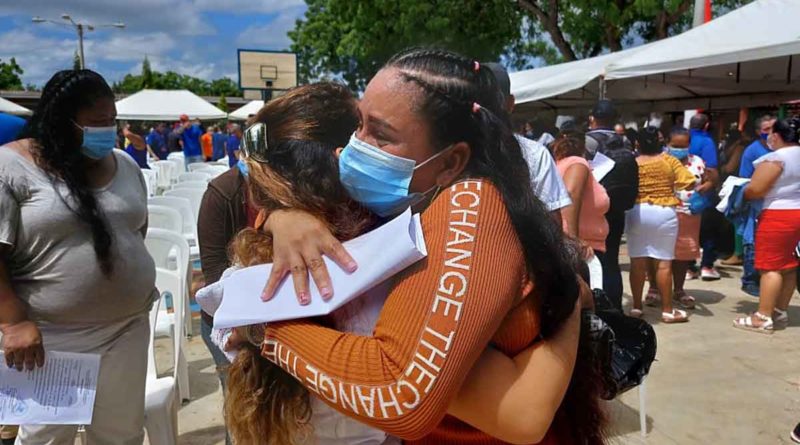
x: 461, y: 101
x: 57, y: 148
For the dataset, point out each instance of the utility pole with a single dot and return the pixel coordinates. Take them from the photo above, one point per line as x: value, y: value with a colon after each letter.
x: 80, y: 27
x: 80, y: 44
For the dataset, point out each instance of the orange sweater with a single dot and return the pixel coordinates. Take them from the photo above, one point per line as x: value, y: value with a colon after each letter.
x: 440, y: 314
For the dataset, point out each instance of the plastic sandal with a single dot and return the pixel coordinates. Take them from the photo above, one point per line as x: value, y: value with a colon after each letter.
x: 686, y: 300
x: 746, y: 323
x: 635, y: 313
x: 780, y: 317
x: 676, y: 316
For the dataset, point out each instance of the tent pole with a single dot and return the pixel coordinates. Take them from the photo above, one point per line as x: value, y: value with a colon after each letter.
x: 601, y: 88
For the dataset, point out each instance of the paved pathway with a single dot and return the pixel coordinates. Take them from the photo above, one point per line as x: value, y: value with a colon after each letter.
x: 712, y: 384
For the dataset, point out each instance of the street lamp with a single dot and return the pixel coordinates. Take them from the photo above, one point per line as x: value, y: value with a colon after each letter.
x: 80, y: 27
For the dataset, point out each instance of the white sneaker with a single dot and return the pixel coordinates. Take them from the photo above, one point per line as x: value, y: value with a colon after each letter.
x: 709, y: 274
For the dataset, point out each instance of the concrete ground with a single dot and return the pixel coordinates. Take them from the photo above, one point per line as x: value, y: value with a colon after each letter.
x: 711, y: 383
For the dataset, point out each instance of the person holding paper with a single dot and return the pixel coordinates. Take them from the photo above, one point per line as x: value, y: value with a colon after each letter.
x: 433, y: 136
x: 585, y: 219
x: 75, y: 275
x: 292, y: 164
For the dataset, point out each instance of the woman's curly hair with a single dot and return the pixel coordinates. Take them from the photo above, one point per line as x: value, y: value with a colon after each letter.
x: 264, y: 404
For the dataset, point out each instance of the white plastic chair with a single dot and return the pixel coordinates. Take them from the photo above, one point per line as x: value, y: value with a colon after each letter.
x: 194, y: 176
x: 151, y: 180
x: 176, y: 155
x: 180, y: 167
x: 197, y: 166
x: 202, y: 185
x: 163, y: 217
x: 214, y: 171
x: 223, y: 162
x: 184, y: 206
x: 166, y: 172
x: 161, y: 404
x: 160, y: 244
x: 195, y: 196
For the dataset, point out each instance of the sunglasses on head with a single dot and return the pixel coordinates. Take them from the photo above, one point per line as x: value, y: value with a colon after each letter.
x: 254, y: 142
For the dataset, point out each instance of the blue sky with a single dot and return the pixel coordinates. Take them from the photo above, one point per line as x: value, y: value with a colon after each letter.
x: 195, y: 37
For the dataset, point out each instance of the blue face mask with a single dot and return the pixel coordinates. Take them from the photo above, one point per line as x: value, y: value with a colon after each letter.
x: 680, y: 153
x: 764, y: 136
x: 379, y: 180
x: 243, y: 169
x: 98, y: 142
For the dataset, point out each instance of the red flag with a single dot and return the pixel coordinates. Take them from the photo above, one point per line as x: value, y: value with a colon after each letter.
x: 707, y: 17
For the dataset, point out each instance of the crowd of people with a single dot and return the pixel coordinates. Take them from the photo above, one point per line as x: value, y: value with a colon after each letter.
x: 190, y: 137
x: 485, y: 341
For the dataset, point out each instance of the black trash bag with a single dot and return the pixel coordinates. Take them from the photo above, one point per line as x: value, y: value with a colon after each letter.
x: 632, y: 350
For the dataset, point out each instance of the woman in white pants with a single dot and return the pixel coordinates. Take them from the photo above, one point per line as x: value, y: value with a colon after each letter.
x: 75, y: 275
x: 651, y: 225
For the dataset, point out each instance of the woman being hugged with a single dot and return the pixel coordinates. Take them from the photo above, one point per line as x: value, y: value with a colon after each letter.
x: 432, y: 135
x: 75, y: 275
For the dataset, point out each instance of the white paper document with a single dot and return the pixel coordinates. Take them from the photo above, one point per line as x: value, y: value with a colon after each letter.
x: 380, y: 254
x: 601, y: 166
x: 61, y: 392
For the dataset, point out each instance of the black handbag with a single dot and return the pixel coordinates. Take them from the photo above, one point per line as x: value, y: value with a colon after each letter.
x: 625, y: 346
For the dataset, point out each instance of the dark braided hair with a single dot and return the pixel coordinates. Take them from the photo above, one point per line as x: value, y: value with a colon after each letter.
x: 57, y: 148
x: 461, y: 101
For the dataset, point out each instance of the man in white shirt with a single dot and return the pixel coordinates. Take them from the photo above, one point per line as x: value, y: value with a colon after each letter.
x: 545, y: 180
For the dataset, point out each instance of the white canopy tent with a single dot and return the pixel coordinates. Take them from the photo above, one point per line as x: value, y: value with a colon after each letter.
x: 166, y: 105
x: 248, y: 109
x: 8, y: 107
x: 748, y: 57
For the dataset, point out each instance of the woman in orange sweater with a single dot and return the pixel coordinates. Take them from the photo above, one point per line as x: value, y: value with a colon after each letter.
x: 652, y: 224
x: 433, y: 136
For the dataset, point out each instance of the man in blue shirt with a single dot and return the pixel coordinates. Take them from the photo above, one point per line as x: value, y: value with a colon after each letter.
x: 751, y: 280
x: 157, y: 142
x: 218, y: 143
x: 10, y: 127
x: 758, y: 148
x: 703, y: 145
x: 233, y: 144
x: 190, y: 134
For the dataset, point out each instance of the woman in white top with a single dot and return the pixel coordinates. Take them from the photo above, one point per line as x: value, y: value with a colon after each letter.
x: 75, y: 275
x: 777, y: 181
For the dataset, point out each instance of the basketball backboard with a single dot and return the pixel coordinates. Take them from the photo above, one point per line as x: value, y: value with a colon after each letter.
x: 267, y: 70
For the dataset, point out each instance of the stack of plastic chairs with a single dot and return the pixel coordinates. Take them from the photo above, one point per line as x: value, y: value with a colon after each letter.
x: 171, y: 279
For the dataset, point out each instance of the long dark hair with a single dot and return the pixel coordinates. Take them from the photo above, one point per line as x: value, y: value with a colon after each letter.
x: 461, y: 101
x: 58, y: 148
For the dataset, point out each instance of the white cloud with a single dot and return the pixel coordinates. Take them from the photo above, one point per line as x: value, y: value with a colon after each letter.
x: 271, y: 35
x: 248, y: 6
x: 178, y: 16
x: 39, y: 57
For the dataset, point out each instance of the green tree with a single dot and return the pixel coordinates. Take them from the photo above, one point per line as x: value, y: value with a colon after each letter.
x: 147, y: 74
x: 223, y: 104
x: 10, y: 75
x: 171, y: 80
x: 76, y: 61
x: 564, y: 30
x: 353, y: 38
